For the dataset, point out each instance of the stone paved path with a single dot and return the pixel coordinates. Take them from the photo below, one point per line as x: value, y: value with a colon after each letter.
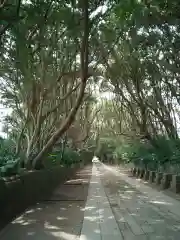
x: 99, y: 221
x: 117, y: 208
x: 141, y: 212
x: 57, y: 218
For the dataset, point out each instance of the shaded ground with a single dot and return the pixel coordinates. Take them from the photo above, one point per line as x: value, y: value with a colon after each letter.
x: 149, y: 215
x: 59, y: 217
x: 167, y: 192
x: 99, y: 221
x: 118, y: 207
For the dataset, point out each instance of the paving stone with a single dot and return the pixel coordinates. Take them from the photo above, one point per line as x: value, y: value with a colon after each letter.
x: 108, y: 223
x: 128, y: 234
x: 90, y: 230
x: 61, y: 218
x: 103, y: 217
x: 152, y: 214
x: 136, y: 229
x: 147, y: 228
x: 117, y: 208
x: 110, y: 237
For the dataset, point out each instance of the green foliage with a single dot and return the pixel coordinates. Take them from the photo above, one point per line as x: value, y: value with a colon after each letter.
x: 64, y: 157
x: 159, y: 153
x: 150, y: 155
x: 11, y: 168
x: 105, y: 149
x: 139, y: 153
x: 136, y: 43
x: 9, y: 162
x: 167, y: 149
x: 122, y: 153
x: 86, y: 155
x: 70, y: 157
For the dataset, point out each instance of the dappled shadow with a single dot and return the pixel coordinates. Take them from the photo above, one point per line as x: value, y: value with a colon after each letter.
x: 55, y: 218
x: 47, y: 221
x: 99, y: 222
x: 150, y: 215
x: 60, y: 218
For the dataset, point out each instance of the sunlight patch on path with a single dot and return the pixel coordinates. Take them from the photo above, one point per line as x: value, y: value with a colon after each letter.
x: 99, y: 221
x: 155, y: 197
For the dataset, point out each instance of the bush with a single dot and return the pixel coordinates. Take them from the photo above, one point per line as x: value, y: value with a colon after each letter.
x: 70, y: 157
x: 152, y: 155
x: 105, y: 149
x: 140, y: 154
x: 64, y: 157
x: 86, y: 155
x: 9, y: 162
x: 158, y: 154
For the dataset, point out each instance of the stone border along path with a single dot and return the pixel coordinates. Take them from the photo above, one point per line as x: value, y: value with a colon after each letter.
x: 142, y: 213
x: 117, y: 208
x: 99, y: 221
x: 60, y: 217
x: 171, y: 205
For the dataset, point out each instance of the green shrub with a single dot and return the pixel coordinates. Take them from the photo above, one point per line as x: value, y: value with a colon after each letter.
x: 105, y: 149
x: 159, y: 153
x: 86, y: 155
x: 64, y: 157
x: 151, y: 155
x: 9, y: 162
x: 70, y: 156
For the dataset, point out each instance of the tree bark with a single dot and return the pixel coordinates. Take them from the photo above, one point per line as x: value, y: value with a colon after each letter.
x: 84, y: 76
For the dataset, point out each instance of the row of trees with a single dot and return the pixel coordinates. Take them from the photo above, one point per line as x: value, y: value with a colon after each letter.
x: 45, y: 77
x: 140, y: 57
x: 56, y: 53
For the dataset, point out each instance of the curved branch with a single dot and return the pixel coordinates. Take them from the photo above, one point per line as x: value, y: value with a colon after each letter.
x: 84, y: 76
x: 59, y: 104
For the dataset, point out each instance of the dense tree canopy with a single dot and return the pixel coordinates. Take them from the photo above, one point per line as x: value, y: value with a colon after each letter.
x: 58, y: 57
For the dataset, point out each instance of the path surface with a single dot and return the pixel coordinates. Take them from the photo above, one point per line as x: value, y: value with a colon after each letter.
x: 57, y: 218
x: 118, y: 207
x: 141, y: 212
x: 99, y: 221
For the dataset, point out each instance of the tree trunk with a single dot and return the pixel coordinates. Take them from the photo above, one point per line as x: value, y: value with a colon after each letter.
x: 84, y: 76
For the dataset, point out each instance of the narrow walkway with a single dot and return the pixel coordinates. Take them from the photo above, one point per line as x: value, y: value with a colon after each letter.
x: 112, y: 207
x: 99, y: 221
x: 57, y: 218
x: 142, y: 213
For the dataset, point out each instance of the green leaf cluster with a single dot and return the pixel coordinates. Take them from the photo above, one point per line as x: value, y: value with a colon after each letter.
x: 65, y: 157
x: 9, y: 162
